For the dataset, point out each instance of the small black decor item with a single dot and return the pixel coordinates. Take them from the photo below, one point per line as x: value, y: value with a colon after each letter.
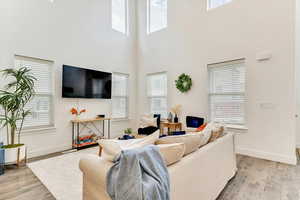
x: 184, y: 83
x: 176, y: 119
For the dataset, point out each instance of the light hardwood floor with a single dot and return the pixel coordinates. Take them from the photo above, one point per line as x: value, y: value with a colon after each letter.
x: 255, y: 180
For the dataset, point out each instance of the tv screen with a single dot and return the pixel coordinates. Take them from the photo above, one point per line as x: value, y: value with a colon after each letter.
x: 85, y: 83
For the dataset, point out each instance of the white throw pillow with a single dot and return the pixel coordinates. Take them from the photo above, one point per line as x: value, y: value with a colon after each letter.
x: 206, y: 133
x: 147, y: 121
x: 171, y: 153
x: 191, y: 141
x: 112, y: 148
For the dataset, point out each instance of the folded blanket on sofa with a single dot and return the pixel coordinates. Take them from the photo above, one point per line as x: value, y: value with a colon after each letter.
x: 139, y: 174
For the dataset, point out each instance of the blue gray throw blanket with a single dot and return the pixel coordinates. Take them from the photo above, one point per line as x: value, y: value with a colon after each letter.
x: 139, y: 174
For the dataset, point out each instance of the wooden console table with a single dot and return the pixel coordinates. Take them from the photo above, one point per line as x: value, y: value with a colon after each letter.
x: 83, y: 123
x: 171, y: 126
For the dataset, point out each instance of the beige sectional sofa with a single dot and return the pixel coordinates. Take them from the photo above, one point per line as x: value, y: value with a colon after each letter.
x: 200, y: 175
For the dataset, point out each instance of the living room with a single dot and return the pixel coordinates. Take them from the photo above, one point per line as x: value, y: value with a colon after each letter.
x: 142, y: 43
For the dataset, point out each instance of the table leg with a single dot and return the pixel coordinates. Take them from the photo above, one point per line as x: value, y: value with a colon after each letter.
x: 109, y: 129
x: 78, y: 126
x: 100, y: 150
x: 103, y: 128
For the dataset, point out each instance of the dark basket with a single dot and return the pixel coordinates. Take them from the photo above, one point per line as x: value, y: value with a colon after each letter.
x: 2, y: 160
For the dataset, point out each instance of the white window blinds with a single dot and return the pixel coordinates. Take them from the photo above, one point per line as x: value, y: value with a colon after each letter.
x: 227, y: 92
x: 157, y: 15
x: 217, y: 3
x: 157, y: 93
x: 119, y: 14
x: 41, y: 106
x: 120, y: 96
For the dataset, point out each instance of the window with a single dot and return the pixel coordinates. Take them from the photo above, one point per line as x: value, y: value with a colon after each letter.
x: 119, y: 10
x: 120, y: 96
x: 157, y: 12
x: 216, y: 3
x: 41, y: 105
x: 227, y: 92
x: 157, y: 93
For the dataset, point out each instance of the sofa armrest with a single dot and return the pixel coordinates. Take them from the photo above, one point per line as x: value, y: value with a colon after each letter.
x: 95, y: 169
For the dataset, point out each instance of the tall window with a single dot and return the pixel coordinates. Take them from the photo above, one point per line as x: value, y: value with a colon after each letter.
x: 216, y: 3
x: 120, y: 96
x: 157, y: 11
x: 119, y: 11
x: 157, y: 93
x: 42, y: 104
x: 227, y: 92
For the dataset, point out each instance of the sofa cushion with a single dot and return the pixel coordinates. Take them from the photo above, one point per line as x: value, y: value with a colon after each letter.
x: 171, y: 153
x: 191, y: 141
x: 112, y: 148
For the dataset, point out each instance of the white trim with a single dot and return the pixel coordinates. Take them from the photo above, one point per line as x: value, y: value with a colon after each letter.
x: 46, y: 151
x: 31, y: 131
x: 292, y: 160
x: 236, y: 127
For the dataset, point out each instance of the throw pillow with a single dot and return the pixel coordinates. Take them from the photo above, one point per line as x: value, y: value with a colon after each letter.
x: 201, y: 128
x: 216, y: 133
x: 112, y: 148
x: 191, y: 141
x: 171, y: 153
x: 147, y: 121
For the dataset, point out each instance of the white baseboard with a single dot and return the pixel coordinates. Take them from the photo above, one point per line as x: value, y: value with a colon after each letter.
x: 292, y: 160
x: 50, y: 150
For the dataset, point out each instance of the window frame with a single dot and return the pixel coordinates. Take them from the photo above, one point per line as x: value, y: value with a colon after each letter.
x: 209, y: 7
x: 126, y: 32
x: 51, y: 125
x: 121, y: 97
x: 243, y: 94
x: 149, y: 31
x: 150, y: 97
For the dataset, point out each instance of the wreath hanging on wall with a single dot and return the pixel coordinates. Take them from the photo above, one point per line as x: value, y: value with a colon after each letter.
x: 184, y: 83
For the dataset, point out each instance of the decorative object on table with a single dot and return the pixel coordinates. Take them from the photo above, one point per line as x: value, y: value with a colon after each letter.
x: 13, y: 100
x: 170, y: 117
x: 184, y: 83
x: 77, y: 112
x: 81, y: 140
x: 178, y: 133
x: 2, y: 159
x: 100, y: 116
x: 127, y: 137
x: 128, y: 131
x: 176, y: 110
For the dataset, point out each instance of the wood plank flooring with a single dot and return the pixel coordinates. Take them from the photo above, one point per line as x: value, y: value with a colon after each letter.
x: 256, y: 179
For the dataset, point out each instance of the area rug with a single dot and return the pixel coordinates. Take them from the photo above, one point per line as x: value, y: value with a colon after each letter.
x: 61, y: 175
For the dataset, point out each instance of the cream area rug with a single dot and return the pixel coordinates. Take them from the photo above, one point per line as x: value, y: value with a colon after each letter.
x: 61, y: 175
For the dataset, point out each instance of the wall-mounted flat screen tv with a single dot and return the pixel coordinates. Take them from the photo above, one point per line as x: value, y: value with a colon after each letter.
x: 85, y: 83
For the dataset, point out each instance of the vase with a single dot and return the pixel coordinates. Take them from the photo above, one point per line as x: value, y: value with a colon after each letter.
x: 176, y: 119
x: 15, y: 155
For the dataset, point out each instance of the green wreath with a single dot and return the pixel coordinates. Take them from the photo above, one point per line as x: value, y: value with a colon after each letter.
x: 184, y: 83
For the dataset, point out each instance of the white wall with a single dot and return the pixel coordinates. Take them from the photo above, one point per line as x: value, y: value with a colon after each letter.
x: 68, y: 32
x: 241, y: 29
x: 297, y: 73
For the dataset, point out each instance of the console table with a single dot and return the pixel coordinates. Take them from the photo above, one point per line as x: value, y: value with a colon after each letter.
x: 171, y: 126
x: 79, y: 124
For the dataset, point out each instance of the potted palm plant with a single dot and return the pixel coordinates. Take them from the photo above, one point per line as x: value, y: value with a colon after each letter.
x: 17, y: 93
